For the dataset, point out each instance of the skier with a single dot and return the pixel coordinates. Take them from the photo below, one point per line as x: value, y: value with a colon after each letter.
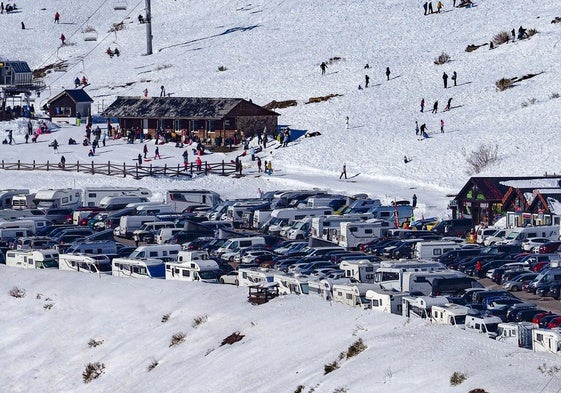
x: 323, y: 66
x: 347, y: 122
x: 414, y: 201
x: 57, y: 17
x: 422, y: 104
x: 185, y: 159
x: 55, y: 146
x: 62, y: 162
x: 425, y: 6
x: 435, y: 107
x: 454, y: 77
x: 103, y: 138
x: 344, y: 172
x: 448, y: 104
x: 84, y: 81
x: 145, y: 151
x: 439, y: 5
x: 430, y: 7
x: 259, y: 165
x: 406, y: 160
x: 388, y: 72
x: 367, y: 80
x: 10, y: 137
x: 423, y: 129
x: 22, y: 26
x: 139, y: 158
x: 162, y: 91
x: 145, y: 91
x: 441, y: 126
x: 269, y: 168
x: 513, y: 32
x: 63, y: 39
x: 416, y: 127
x: 445, y: 79
x: 77, y: 82
x: 26, y: 137
x: 157, y: 153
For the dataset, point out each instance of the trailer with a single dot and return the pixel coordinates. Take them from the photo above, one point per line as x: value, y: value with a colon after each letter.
x: 517, y: 333
x: 92, y: 196
x: 85, y: 263
x: 386, y: 301
x: 32, y: 259
x: 137, y: 268
x: 352, y: 234
x: 58, y: 198
x: 183, y: 199
x: 546, y: 340
x: 353, y: 294
x: 420, y: 306
x: 449, y: 314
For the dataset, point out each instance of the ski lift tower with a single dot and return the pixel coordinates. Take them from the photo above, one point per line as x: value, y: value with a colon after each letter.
x: 148, y: 28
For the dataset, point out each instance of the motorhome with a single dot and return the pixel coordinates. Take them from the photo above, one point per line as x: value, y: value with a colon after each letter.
x: 352, y: 234
x: 106, y: 247
x: 517, y: 235
x: 252, y: 276
x: 193, y: 266
x: 138, y: 268
x: 517, y: 333
x: 163, y: 235
x: 237, y: 243
x: 434, y: 249
x: 403, y: 210
x: 6, y: 197
x: 332, y: 201
x: 353, y: 294
x: 152, y: 210
x: 361, y: 270
x: 283, y: 217
x: 324, y: 287
x: 237, y: 211
x: 165, y: 252
x: 483, y: 324
x: 291, y: 284
x: 129, y: 224
x: 118, y: 202
x: 149, y: 229
x: 449, y: 314
x: 32, y: 259
x: 329, y: 227
x: 260, y: 217
x: 58, y: 198
x: 420, y: 306
x: 183, y: 199
x: 85, y: 263
x: 546, y: 340
x: 385, y: 301
x: 32, y: 242
x: 19, y: 224
x: 391, y: 274
x: 93, y: 196
x: 23, y: 201
x: 10, y: 234
x: 359, y: 206
x: 37, y: 223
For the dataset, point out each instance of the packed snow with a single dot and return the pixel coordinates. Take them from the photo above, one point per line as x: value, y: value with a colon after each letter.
x: 272, y: 51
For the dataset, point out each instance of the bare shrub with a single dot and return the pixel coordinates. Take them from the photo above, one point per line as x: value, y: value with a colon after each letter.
x: 531, y: 101
x: 442, y: 59
x: 199, y: 320
x: 503, y: 84
x: 479, y: 159
x: 177, y: 339
x: 17, y: 292
x: 165, y: 318
x: 340, y: 390
x: 355, y: 348
x: 554, y: 95
x: 222, y: 68
x: 299, y: 389
x: 94, y: 343
x: 501, y: 38
x: 457, y: 378
x: 232, y: 338
x: 329, y: 367
x: 48, y: 306
x: 93, y: 371
x: 549, y: 370
x: 153, y: 364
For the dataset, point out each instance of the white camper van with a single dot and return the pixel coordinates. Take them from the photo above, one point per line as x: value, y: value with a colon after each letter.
x: 449, y: 314
x: 137, y: 268
x: 6, y: 197
x: 328, y: 227
x: 352, y: 234
x: 353, y: 294
x: 93, y: 196
x: 519, y: 234
x: 251, y: 276
x: 32, y: 259
x: 361, y: 270
x: 237, y: 243
x: 385, y: 301
x: 546, y: 340
x: 118, y: 202
x: 517, y: 333
x: 483, y: 324
x: 85, y: 263
x: 434, y: 249
x: 58, y: 198
x: 420, y: 306
x: 182, y: 199
x: 193, y: 266
x: 165, y: 252
x: 282, y: 217
x: 291, y: 284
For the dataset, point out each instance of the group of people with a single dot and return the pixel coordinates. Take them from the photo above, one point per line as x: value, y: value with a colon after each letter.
x: 8, y: 8
x: 79, y: 82
x: 113, y: 52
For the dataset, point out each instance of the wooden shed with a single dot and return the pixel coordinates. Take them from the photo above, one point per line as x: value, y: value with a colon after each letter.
x: 69, y: 105
x: 207, y: 118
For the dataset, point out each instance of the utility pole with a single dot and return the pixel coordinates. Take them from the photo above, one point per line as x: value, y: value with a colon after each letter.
x: 148, y: 28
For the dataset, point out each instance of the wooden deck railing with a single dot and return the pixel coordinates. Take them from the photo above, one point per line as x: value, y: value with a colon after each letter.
x: 124, y: 170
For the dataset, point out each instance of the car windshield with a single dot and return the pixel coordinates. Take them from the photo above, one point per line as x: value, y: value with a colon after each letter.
x: 208, y: 275
x: 48, y: 263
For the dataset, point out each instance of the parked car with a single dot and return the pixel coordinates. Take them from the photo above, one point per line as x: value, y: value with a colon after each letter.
x: 550, y: 246
x: 59, y: 215
x: 530, y: 243
x: 515, y: 284
x: 230, y: 278
x: 554, y: 291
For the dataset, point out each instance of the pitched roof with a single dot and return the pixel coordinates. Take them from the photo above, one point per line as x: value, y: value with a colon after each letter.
x: 76, y: 95
x: 18, y: 66
x: 495, y: 188
x: 176, y: 107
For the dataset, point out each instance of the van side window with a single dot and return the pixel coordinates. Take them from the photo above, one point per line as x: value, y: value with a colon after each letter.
x: 153, y: 253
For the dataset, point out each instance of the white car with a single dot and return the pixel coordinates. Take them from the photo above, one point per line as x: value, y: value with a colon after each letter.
x: 230, y: 278
x: 531, y: 242
x: 322, y: 272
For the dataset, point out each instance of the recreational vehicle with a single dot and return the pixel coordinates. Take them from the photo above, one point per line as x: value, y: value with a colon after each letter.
x: 6, y: 197
x: 353, y: 294
x: 32, y: 259
x: 260, y: 217
x: 391, y: 274
x: 434, y: 249
x: 138, y: 268
x: 183, y: 199
x: 19, y: 224
x: 148, y: 230
x: 546, y: 340
x: 385, y: 301
x: 58, y: 198
x: 517, y: 333
x: 282, y: 217
x: 420, y: 306
x: 94, y: 247
x: 550, y: 232
x: 324, y: 287
x: 23, y: 201
x: 93, y: 196
x: 449, y: 314
x: 10, y: 234
x: 352, y: 234
x: 252, y: 276
x: 388, y: 213
x: 360, y: 206
x: 483, y: 324
x: 240, y: 243
x: 329, y: 227
x: 118, y: 202
x: 165, y: 252
x: 86, y: 263
x: 237, y: 212
x: 129, y: 224
x: 361, y: 270
x: 204, y: 270
x: 291, y: 284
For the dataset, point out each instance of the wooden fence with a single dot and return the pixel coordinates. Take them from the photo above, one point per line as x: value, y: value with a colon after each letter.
x: 124, y: 170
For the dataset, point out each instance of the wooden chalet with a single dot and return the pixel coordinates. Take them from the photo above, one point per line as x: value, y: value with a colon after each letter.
x: 16, y: 86
x: 518, y: 197
x: 207, y: 118
x: 69, y: 105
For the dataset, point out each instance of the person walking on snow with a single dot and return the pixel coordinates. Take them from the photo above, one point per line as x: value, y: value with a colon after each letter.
x: 63, y: 39
x: 323, y: 67
x: 259, y: 165
x: 185, y: 159
x: 422, y: 104
x: 423, y: 129
x: 425, y: 6
x: 439, y: 5
x: 344, y: 172
x: 435, y: 107
x: 414, y: 204
x: 347, y: 122
x: 430, y: 7
x: 448, y: 105
x: 57, y: 17
x: 441, y: 126
x: 10, y: 137
x: 454, y: 77
x: 145, y: 151
x: 416, y: 127
x: 445, y: 79
x: 388, y: 72
x: 366, y: 80
x: 157, y: 153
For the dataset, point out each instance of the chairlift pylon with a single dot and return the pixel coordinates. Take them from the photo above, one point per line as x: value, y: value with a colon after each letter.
x: 120, y: 5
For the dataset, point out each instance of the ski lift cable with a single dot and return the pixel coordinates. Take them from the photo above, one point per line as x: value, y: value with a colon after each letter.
x: 107, y: 35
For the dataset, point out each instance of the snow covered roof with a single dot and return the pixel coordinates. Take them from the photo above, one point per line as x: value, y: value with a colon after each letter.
x: 76, y: 95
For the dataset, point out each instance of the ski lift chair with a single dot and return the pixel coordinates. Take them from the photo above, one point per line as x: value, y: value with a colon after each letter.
x: 90, y: 34
x: 120, y: 5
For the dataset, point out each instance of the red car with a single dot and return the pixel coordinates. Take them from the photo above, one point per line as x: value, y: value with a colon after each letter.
x: 555, y: 322
x: 550, y: 247
x: 539, y: 316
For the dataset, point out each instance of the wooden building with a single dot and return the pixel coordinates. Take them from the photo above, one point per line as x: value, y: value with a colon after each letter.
x: 207, y: 118
x: 69, y: 105
x: 483, y: 198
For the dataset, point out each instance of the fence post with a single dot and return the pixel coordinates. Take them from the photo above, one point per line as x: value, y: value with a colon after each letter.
x: 109, y: 168
x: 222, y: 167
x: 150, y: 169
x: 206, y: 167
x: 33, y: 164
x: 2, y: 164
x: 47, y: 165
x: 165, y: 168
x: 77, y: 166
x: 191, y: 169
x: 93, y: 170
x: 19, y: 164
x: 124, y: 170
x: 177, y: 170
x: 136, y: 170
